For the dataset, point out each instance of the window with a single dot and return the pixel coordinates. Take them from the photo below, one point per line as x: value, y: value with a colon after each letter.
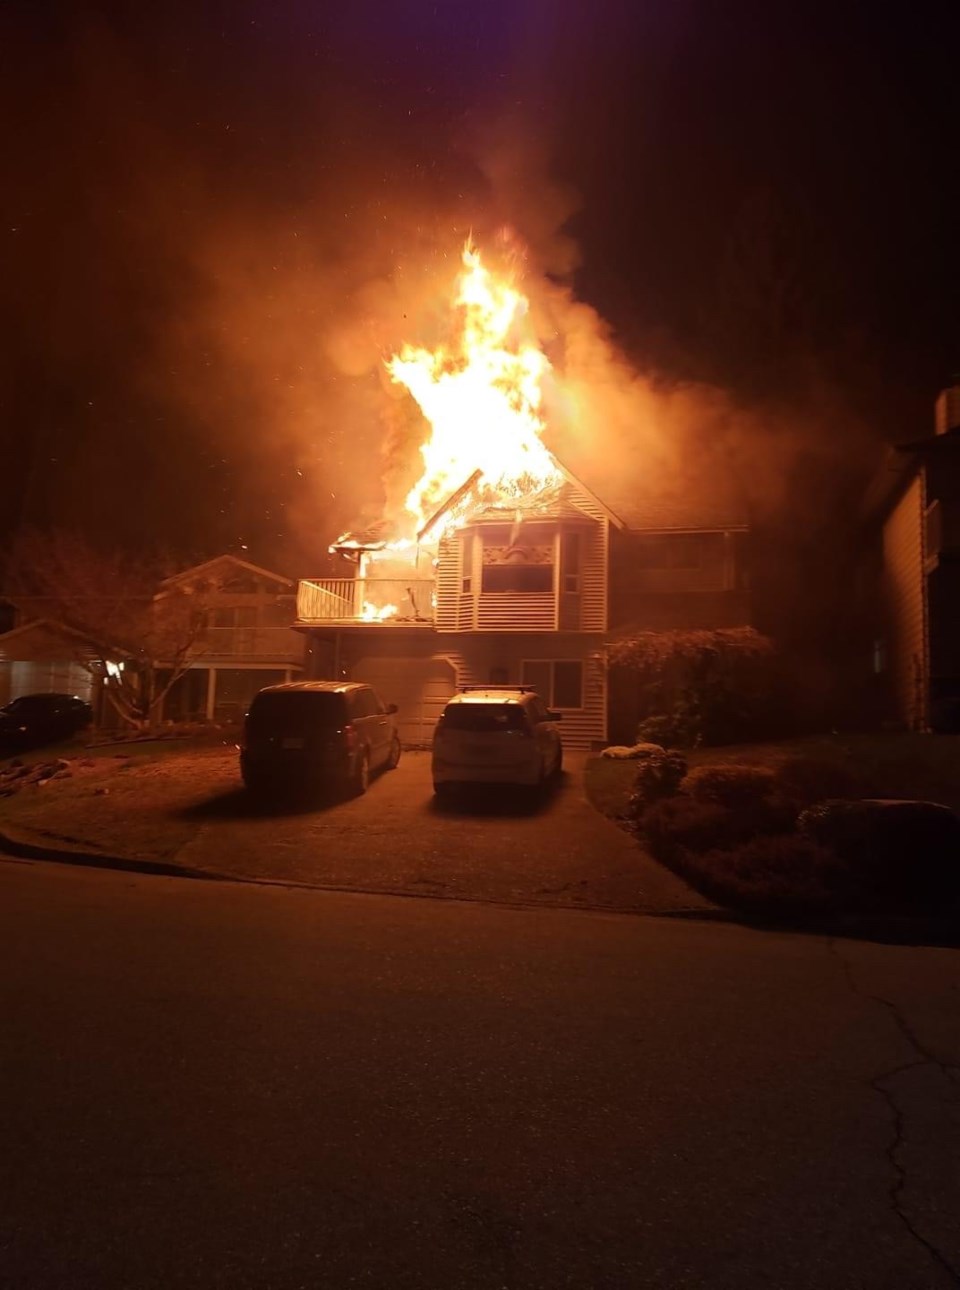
x: 558, y: 682
x: 670, y: 551
x: 466, y: 566
x: 484, y: 718
x: 518, y: 559
x: 570, y: 562
x: 364, y: 703
x: 523, y: 578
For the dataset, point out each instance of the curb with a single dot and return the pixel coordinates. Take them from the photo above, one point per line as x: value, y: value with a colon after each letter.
x: 889, y: 929
x: 24, y: 850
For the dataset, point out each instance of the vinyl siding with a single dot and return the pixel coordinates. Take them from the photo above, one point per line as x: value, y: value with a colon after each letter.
x: 473, y: 611
x: 473, y: 659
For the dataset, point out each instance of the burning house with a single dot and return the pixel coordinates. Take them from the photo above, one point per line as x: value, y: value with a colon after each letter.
x: 507, y: 568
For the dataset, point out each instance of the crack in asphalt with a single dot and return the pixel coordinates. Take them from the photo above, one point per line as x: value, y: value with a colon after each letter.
x: 924, y: 1057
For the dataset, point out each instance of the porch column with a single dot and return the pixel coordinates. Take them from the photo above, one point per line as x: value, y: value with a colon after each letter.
x: 211, y: 691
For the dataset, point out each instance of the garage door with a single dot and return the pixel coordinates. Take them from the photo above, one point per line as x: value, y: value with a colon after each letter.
x: 51, y: 678
x: 420, y: 687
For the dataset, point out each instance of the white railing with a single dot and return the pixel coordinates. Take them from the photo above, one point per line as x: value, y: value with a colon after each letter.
x: 254, y: 643
x: 365, y: 600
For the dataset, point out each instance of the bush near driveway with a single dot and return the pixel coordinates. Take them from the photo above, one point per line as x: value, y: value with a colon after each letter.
x: 679, y: 823
x: 898, y: 854
x: 731, y: 829
x: 806, y: 780
x: 656, y: 777
x: 729, y: 785
x: 779, y: 875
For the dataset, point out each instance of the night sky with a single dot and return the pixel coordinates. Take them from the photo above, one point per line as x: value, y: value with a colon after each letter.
x: 219, y: 217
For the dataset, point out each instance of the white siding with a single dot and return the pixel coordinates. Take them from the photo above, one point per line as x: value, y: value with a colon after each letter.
x: 580, y: 728
x: 906, y: 610
x: 586, y: 611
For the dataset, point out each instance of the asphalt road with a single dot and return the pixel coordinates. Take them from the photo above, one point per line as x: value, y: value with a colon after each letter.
x: 219, y: 1085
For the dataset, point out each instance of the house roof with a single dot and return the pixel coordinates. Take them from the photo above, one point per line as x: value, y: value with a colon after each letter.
x: 899, y: 465
x: 372, y: 537
x: 556, y: 501
x: 685, y: 496
x: 684, y: 493
x: 646, y: 509
x: 40, y: 639
x: 186, y: 575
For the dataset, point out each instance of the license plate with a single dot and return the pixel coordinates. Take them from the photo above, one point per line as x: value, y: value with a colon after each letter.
x: 291, y: 743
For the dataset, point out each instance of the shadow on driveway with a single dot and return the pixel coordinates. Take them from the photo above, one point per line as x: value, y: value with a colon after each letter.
x: 240, y: 804
x: 472, y: 801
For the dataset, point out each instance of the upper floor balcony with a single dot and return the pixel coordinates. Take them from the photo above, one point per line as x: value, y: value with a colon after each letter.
x: 400, y: 601
x: 258, y: 644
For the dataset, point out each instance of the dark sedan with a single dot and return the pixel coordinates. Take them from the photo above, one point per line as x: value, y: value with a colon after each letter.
x: 36, y: 719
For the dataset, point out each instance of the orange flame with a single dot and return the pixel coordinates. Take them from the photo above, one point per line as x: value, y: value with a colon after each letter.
x: 481, y: 395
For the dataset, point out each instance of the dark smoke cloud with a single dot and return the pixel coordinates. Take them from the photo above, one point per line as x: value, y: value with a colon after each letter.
x: 226, y: 223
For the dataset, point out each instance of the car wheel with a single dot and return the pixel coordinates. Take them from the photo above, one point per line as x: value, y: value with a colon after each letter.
x: 394, y: 759
x: 361, y: 776
x: 558, y: 768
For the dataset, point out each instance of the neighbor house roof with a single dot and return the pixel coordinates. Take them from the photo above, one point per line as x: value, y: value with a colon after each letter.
x: 898, y: 467
x: 43, y: 639
x: 219, y: 562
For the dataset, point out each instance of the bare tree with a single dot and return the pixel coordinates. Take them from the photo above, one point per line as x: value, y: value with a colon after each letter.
x: 134, y: 633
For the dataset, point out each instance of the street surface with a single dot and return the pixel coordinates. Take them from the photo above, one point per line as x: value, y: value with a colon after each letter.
x: 226, y: 1085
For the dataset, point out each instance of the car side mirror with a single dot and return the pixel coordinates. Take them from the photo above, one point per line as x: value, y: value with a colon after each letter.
x: 392, y: 708
x: 554, y: 716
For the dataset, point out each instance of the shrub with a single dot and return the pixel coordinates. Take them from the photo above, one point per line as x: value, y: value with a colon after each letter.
x: 731, y: 785
x: 679, y: 729
x: 682, y: 823
x: 807, y: 780
x: 900, y: 855
x: 698, y: 686
x: 773, y: 875
x: 657, y: 777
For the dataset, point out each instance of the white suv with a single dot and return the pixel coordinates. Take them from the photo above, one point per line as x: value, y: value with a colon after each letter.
x: 496, y: 735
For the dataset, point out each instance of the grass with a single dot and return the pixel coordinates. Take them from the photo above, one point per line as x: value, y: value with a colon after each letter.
x: 902, y: 765
x: 730, y: 854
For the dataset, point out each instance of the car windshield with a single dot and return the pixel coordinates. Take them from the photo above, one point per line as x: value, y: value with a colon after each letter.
x: 486, y: 717
x: 296, y: 712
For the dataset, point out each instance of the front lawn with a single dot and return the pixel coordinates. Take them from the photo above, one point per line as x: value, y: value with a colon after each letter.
x: 926, y: 767
x: 118, y: 799
x: 731, y: 831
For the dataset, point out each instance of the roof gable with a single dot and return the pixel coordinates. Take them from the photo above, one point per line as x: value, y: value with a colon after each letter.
x: 221, y: 566
x: 43, y: 639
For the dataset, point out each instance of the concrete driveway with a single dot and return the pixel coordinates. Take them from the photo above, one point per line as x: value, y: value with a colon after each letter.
x: 492, y: 846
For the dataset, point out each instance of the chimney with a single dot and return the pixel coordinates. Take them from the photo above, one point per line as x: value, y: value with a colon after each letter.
x: 948, y: 409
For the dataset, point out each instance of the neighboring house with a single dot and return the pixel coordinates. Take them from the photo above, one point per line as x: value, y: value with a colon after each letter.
x: 527, y: 593
x: 44, y: 656
x: 245, y: 641
x: 914, y: 508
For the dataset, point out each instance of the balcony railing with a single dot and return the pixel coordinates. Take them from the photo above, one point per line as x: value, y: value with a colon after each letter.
x: 263, y: 644
x: 366, y: 600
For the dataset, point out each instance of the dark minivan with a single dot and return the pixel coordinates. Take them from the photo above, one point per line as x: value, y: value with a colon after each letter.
x: 317, y: 734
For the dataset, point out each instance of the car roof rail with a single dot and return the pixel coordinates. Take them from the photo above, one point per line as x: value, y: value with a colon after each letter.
x: 517, y: 689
